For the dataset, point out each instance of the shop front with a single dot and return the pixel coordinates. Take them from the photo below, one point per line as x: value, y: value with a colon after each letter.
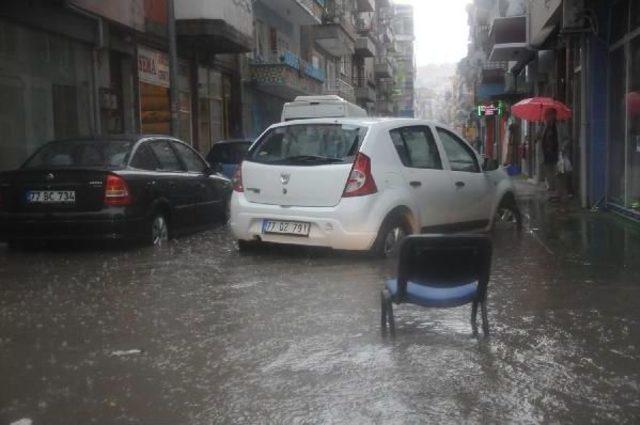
x: 623, y: 183
x: 154, y: 82
x: 46, y: 90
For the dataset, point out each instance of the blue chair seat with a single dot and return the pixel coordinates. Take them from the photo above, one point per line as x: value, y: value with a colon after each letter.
x: 436, y: 296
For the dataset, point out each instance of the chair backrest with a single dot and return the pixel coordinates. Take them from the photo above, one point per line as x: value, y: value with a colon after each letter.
x: 445, y: 261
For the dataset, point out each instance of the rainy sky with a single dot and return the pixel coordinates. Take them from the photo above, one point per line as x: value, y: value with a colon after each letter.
x: 441, y: 30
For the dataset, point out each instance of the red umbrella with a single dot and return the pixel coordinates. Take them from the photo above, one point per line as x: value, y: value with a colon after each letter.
x: 534, y: 109
x: 633, y: 103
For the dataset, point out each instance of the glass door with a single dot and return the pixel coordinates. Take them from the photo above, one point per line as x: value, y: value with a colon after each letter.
x: 633, y: 128
x: 617, y: 127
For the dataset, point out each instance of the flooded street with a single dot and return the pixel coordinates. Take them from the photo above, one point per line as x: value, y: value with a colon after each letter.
x: 196, y: 333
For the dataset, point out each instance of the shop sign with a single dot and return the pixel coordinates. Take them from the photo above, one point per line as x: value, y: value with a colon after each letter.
x: 490, y: 110
x: 153, y: 67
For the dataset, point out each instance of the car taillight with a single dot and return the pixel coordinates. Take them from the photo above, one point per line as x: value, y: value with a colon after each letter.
x: 360, y: 181
x: 116, y: 191
x: 237, y: 179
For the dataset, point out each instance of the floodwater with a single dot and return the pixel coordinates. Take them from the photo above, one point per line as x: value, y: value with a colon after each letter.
x: 196, y: 333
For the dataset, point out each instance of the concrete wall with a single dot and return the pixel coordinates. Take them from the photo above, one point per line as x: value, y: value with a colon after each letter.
x: 237, y: 13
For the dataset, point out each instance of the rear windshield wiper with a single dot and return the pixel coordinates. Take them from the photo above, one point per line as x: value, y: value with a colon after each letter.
x: 313, y: 158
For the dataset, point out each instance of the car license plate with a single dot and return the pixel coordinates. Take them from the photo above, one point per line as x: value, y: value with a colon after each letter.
x: 295, y: 228
x: 51, y: 197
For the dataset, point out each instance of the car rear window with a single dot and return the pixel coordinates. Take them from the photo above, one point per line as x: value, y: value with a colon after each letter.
x: 309, y: 144
x: 81, y: 153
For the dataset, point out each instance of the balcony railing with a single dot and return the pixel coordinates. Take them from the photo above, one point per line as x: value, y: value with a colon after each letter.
x: 338, y: 12
x: 364, y: 24
x: 364, y: 89
x: 341, y: 88
x: 290, y: 59
x: 286, y: 76
x: 383, y: 68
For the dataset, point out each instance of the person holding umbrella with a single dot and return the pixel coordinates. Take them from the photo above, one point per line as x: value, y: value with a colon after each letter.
x: 554, y: 138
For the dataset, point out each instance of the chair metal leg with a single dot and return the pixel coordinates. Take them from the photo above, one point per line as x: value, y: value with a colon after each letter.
x: 485, y: 319
x: 383, y: 309
x: 392, y: 322
x: 474, y: 317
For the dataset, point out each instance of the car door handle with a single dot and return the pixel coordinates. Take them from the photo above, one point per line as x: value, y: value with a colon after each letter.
x: 415, y: 184
x: 460, y: 184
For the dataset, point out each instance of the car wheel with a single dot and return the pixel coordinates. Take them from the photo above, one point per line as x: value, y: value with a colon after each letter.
x: 246, y: 246
x: 391, y: 234
x: 225, y: 214
x: 508, y: 216
x: 159, y: 234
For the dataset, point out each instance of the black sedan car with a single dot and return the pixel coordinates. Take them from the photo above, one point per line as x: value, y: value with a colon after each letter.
x: 118, y: 187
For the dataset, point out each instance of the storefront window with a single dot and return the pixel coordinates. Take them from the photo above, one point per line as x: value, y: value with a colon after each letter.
x: 209, y: 108
x: 45, y: 87
x: 633, y: 138
x: 184, y: 84
x: 617, y: 126
x: 153, y: 73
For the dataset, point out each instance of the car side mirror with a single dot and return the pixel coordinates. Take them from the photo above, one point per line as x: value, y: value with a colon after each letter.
x: 489, y: 164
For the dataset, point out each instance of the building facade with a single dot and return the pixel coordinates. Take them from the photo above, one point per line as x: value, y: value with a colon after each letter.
x: 80, y: 67
x: 584, y: 53
x: 405, y: 70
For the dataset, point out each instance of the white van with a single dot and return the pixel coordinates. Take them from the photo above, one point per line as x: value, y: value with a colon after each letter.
x: 328, y: 106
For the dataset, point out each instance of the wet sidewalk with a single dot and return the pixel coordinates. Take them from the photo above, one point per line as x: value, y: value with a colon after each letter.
x: 199, y: 334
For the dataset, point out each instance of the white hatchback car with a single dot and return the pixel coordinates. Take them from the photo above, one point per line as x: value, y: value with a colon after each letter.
x: 364, y: 183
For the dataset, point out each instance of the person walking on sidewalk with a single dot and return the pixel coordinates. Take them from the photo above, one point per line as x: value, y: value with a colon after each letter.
x: 554, y: 143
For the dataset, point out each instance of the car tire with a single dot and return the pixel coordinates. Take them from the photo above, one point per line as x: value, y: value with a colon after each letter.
x: 246, y: 246
x: 225, y: 214
x: 507, y: 216
x: 158, y: 230
x: 390, y: 235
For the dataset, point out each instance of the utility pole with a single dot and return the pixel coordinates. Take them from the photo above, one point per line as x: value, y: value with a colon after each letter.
x: 174, y: 91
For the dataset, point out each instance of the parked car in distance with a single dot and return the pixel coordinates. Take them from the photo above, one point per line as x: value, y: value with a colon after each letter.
x: 117, y: 187
x: 226, y: 155
x: 362, y: 184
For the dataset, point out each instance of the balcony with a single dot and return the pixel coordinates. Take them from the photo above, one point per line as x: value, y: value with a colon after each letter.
x: 543, y: 19
x: 493, y: 72
x: 364, y: 90
x: 508, y: 39
x: 340, y: 87
x: 364, y: 24
x: 286, y: 76
x: 383, y: 69
x: 335, y: 38
x: 365, y: 47
x: 366, y: 5
x: 301, y: 12
x: 224, y: 26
